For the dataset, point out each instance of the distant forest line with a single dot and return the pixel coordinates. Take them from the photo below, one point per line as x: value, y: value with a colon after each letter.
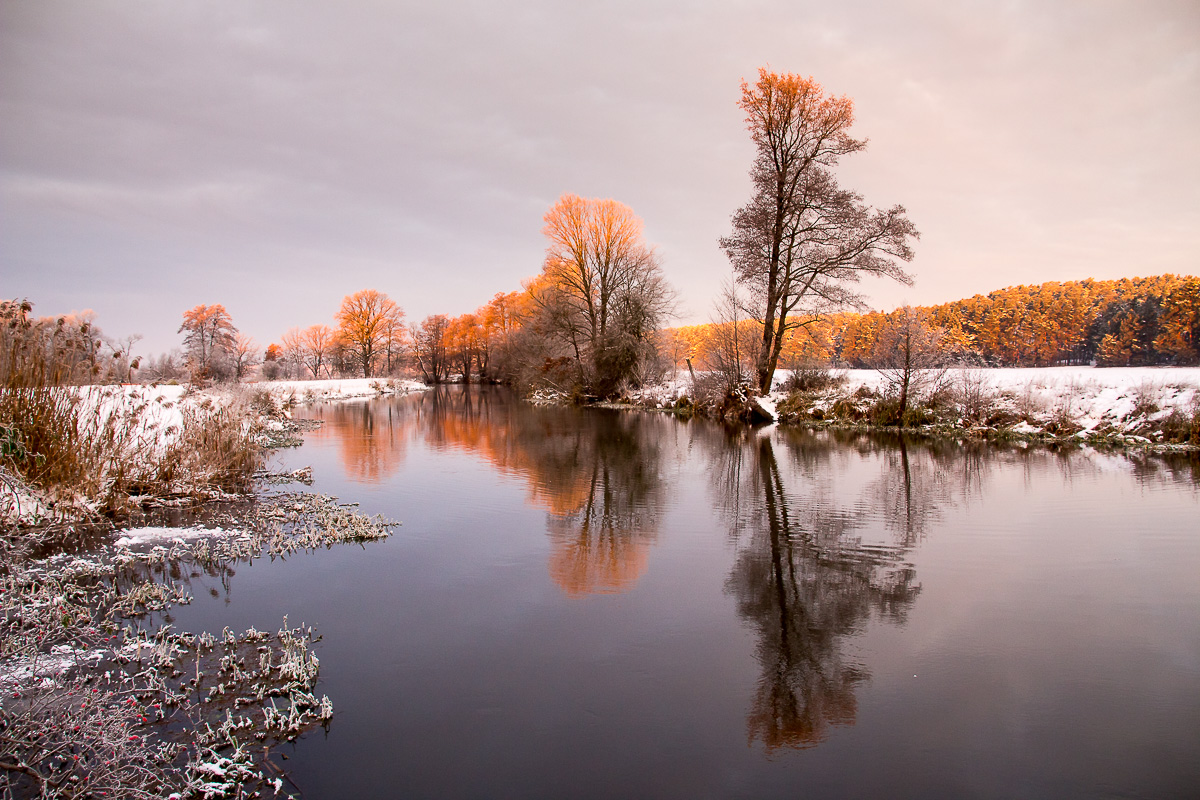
x: 1127, y: 322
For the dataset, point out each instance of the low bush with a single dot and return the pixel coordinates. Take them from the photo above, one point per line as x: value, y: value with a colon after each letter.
x: 886, y: 413
x: 1183, y: 426
x: 1145, y: 398
x: 813, y: 379
x: 974, y: 394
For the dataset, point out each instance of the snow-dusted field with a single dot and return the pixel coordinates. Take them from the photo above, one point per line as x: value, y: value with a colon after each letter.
x: 160, y: 409
x: 338, y: 389
x: 1086, y: 395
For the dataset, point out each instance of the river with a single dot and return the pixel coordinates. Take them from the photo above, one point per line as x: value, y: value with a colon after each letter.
x: 601, y: 604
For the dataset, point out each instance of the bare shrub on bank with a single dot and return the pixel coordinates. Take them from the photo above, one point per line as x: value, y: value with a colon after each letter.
x: 1029, y: 404
x: 975, y: 394
x: 909, y: 357
x: 808, y: 377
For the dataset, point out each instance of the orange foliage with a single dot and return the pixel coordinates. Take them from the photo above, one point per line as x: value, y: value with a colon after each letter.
x: 370, y: 324
x: 1179, y: 338
x: 592, y: 485
x: 209, y: 333
x: 371, y: 446
x: 601, y: 563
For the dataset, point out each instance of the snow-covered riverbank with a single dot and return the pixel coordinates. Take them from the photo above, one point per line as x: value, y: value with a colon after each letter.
x: 1136, y: 403
x: 155, y: 440
x: 337, y: 389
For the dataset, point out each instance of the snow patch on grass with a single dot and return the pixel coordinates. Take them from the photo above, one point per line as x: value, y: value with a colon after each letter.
x: 138, y: 536
x: 339, y: 389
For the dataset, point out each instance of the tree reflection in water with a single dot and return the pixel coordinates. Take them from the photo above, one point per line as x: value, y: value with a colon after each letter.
x: 601, y: 540
x: 597, y: 475
x: 805, y: 580
x: 371, y: 436
x: 821, y: 524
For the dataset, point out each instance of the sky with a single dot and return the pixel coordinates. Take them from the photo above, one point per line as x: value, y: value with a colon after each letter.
x: 277, y: 156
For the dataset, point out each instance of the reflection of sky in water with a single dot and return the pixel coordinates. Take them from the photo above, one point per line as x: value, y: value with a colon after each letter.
x: 604, y: 604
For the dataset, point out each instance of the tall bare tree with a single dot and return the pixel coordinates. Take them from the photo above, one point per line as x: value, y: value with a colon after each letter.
x: 802, y: 239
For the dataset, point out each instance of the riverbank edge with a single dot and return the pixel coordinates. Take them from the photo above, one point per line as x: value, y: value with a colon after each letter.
x: 1135, y: 409
x: 39, y: 689
x: 939, y: 431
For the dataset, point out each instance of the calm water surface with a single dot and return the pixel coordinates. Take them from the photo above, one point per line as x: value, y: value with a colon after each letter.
x: 617, y: 604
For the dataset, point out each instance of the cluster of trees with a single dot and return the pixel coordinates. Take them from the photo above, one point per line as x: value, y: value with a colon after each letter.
x: 1127, y: 322
x: 371, y: 339
x: 591, y: 322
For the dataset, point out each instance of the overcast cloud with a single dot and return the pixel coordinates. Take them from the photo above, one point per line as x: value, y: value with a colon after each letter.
x: 275, y: 156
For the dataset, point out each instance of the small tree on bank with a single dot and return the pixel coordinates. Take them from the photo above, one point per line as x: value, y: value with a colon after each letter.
x: 430, y: 347
x: 209, y: 340
x: 245, y: 355
x: 367, y: 322
x: 908, y: 354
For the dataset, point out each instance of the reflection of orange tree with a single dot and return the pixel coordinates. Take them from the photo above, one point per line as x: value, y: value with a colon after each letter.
x: 596, y: 475
x: 371, y: 438
x: 805, y: 583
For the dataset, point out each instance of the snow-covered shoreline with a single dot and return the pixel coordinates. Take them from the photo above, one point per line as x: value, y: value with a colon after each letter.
x: 151, y: 422
x: 1053, y: 402
x: 337, y: 388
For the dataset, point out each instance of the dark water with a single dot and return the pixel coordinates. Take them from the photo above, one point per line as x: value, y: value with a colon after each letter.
x: 605, y: 604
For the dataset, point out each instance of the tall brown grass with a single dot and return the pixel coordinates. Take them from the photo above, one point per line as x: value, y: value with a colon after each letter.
x: 90, y: 448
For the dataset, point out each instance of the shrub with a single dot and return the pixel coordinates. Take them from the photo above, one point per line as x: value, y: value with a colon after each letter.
x: 1182, y: 426
x: 1145, y: 398
x: 886, y: 412
x: 813, y: 379
x: 1029, y: 404
x: 974, y: 394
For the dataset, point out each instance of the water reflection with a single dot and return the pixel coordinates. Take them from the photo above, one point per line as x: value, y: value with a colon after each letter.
x: 371, y: 437
x: 801, y: 573
x: 805, y: 581
x: 601, y: 544
x: 597, y: 475
x: 822, y: 525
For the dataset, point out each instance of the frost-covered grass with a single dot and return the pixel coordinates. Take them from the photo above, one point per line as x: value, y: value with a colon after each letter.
x: 85, y: 452
x: 71, y: 453
x: 99, y: 702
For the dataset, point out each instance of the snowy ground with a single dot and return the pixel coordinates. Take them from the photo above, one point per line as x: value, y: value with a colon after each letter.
x: 1114, y: 397
x: 340, y: 389
x: 150, y: 419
